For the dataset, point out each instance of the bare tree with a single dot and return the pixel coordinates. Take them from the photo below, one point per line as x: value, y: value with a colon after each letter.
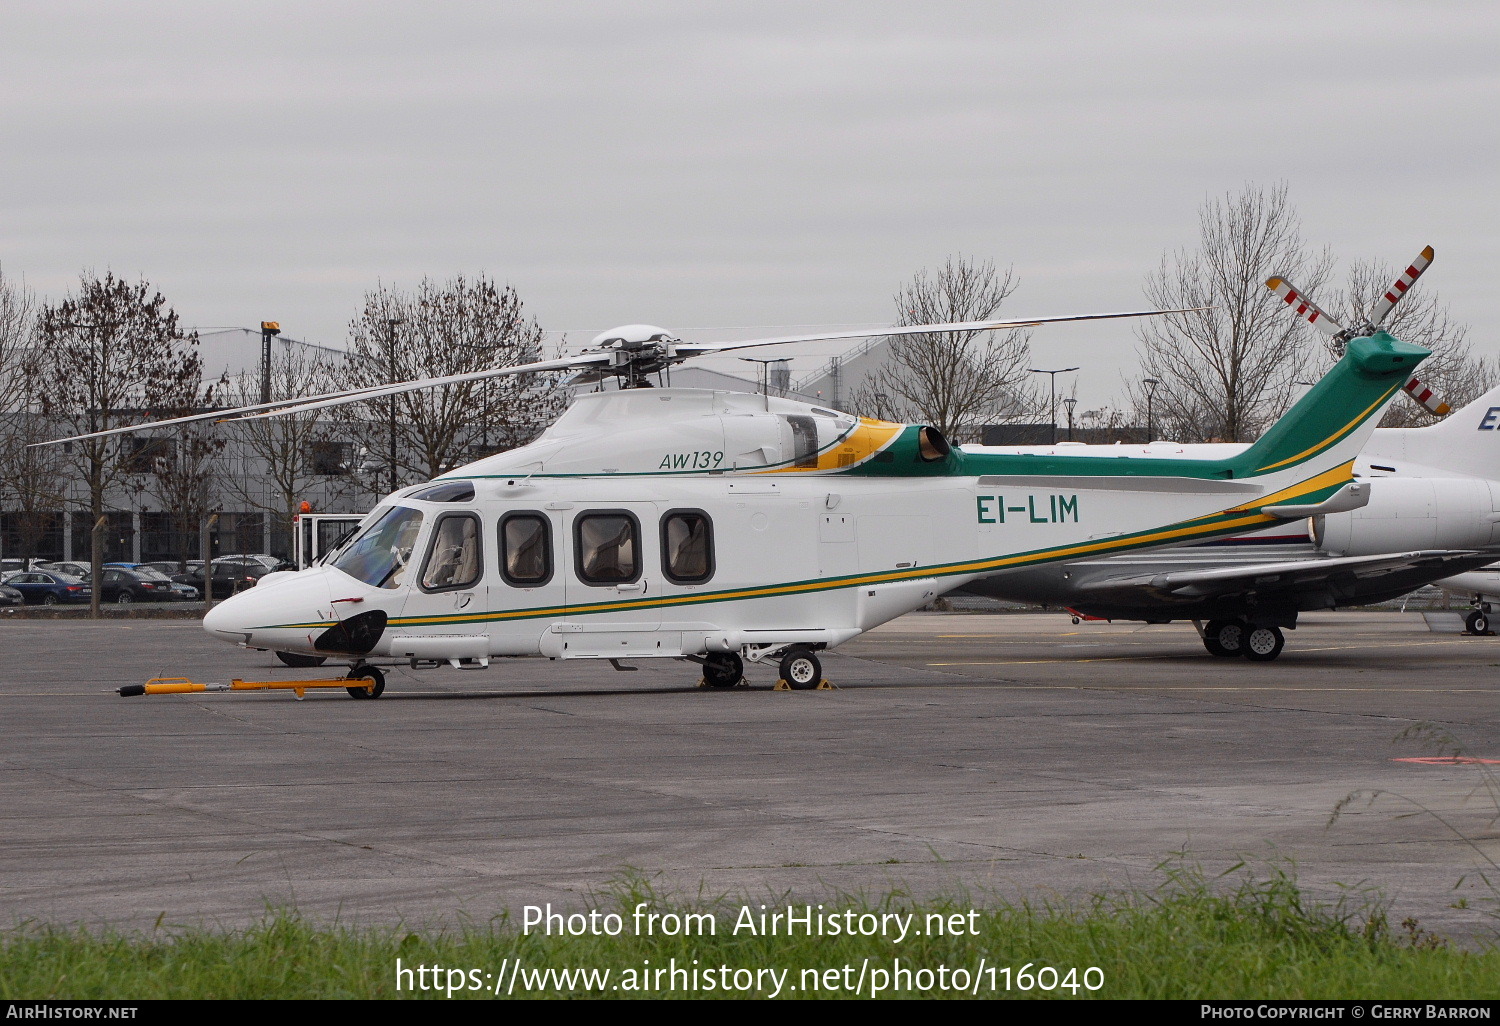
x: 17, y: 323
x: 447, y: 328
x: 113, y: 355
x: 184, y: 471
x: 297, y: 453
x: 32, y: 480
x: 1453, y: 371
x: 1228, y: 369
x: 31, y: 483
x: 957, y: 382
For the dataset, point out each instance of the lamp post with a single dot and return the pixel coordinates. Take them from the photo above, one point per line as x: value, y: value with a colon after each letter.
x: 763, y: 375
x: 1052, y: 405
x: 268, y: 331
x: 1151, y: 385
x: 1070, y: 402
x: 390, y: 325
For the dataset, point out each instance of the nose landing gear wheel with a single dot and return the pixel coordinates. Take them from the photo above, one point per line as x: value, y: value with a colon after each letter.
x: 1224, y: 638
x: 1262, y: 644
x: 1477, y: 622
x: 801, y: 669
x: 723, y: 670
x: 370, y: 673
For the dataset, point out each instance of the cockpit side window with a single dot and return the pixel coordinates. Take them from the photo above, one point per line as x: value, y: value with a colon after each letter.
x: 525, y: 549
x: 453, y: 558
x: 382, y: 553
x: 608, y: 545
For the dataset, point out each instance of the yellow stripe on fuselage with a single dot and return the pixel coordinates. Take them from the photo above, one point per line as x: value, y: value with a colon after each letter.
x: 866, y: 439
x: 1340, y: 433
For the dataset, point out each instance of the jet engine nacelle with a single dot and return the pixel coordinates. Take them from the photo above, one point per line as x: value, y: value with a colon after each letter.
x: 1414, y: 513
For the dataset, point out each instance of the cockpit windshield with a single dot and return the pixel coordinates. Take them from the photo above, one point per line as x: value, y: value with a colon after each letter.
x: 381, y: 554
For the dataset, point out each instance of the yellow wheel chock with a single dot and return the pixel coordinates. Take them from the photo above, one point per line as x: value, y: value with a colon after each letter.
x: 823, y: 685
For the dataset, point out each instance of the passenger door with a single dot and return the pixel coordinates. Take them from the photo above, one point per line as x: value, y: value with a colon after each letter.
x: 613, y: 583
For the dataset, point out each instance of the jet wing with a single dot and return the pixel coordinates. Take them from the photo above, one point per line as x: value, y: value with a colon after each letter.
x: 1230, y: 580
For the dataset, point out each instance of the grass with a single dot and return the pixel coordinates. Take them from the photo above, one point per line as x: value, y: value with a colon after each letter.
x: 1240, y: 935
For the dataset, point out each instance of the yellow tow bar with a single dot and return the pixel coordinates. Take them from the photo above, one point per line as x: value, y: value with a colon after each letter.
x: 368, y: 687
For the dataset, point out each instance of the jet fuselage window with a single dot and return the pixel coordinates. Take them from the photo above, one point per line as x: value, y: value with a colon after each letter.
x: 453, y: 558
x: 608, y: 545
x: 687, y: 546
x: 382, y: 553
x: 525, y: 549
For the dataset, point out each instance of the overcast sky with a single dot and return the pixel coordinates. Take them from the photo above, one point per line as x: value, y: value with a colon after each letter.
x: 757, y: 166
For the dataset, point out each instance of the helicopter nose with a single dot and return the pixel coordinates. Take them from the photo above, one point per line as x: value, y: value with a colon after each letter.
x: 282, y: 613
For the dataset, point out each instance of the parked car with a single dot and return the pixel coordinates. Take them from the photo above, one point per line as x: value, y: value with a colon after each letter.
x: 72, y: 569
x: 229, y: 577
x: 48, y: 587
x: 118, y: 584
x: 266, y: 559
x: 10, y: 596
x: 184, y: 592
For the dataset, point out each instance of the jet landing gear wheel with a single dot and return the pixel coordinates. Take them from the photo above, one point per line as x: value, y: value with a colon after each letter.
x: 801, y: 669
x: 1477, y: 622
x: 295, y: 659
x: 1262, y: 644
x: 371, y: 674
x: 723, y: 670
x: 1224, y: 638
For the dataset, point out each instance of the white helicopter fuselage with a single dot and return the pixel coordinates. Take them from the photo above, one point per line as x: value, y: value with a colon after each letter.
x: 681, y: 522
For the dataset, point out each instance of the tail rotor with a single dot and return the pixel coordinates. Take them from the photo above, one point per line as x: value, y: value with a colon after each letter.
x: 1339, y: 336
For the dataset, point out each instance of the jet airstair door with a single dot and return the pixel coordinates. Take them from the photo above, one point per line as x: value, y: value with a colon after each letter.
x: 614, y: 583
x: 443, y: 617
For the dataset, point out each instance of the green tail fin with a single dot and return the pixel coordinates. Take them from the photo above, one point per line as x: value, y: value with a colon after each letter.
x: 1337, y: 413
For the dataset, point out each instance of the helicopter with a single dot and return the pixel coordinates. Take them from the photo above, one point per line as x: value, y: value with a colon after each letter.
x: 726, y: 528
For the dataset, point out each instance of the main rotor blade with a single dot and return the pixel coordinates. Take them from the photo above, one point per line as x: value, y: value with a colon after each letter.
x: 377, y: 391
x: 215, y: 414
x: 327, y: 399
x: 1304, y: 307
x: 1385, y: 303
x: 703, y: 349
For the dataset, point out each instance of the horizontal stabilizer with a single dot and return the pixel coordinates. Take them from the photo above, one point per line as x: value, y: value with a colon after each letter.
x: 1352, y: 496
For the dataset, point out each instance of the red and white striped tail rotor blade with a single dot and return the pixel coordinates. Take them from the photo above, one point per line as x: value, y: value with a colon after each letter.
x: 1383, y: 305
x: 1424, y: 395
x: 1303, y: 307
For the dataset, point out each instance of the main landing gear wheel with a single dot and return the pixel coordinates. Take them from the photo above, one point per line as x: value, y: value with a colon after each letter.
x: 1262, y: 644
x: 296, y: 659
x: 723, y: 670
x: 364, y: 690
x: 1477, y: 622
x: 801, y: 669
x: 1224, y: 638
